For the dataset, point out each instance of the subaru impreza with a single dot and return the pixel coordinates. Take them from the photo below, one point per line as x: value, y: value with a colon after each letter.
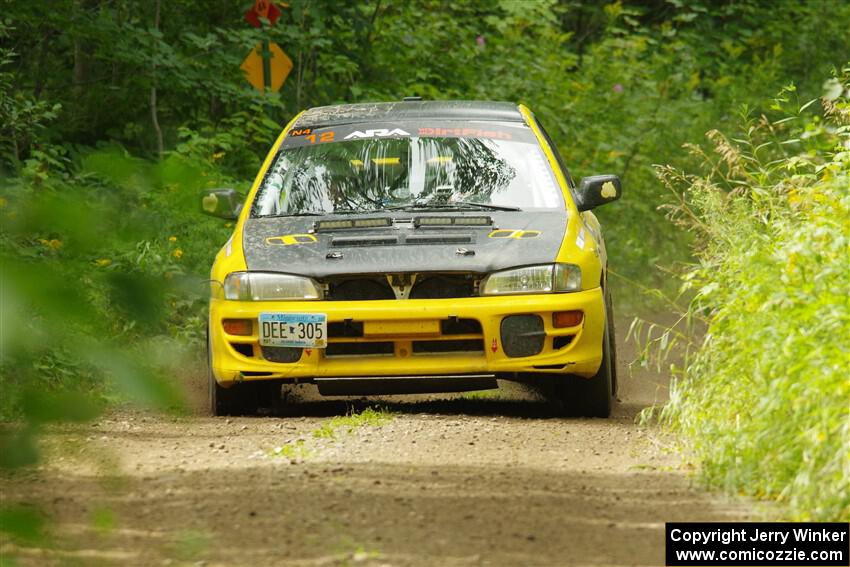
x: 411, y: 247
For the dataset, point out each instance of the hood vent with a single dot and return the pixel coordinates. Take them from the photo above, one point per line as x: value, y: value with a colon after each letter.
x: 364, y: 240
x: 438, y: 238
x: 392, y: 240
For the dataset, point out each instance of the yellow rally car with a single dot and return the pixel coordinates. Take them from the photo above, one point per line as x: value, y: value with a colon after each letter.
x: 412, y: 247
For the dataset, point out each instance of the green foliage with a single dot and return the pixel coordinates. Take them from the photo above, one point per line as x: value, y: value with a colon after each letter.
x: 23, y: 523
x: 764, y: 398
x: 22, y: 117
x: 294, y: 451
x: 130, y: 236
x: 369, y: 417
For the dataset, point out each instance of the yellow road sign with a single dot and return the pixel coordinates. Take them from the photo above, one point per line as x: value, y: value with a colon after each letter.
x: 279, y: 67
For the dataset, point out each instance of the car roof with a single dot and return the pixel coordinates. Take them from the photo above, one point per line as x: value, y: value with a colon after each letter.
x: 408, y: 110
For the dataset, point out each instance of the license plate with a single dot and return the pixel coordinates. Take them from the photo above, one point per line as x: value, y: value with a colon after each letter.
x: 305, y: 330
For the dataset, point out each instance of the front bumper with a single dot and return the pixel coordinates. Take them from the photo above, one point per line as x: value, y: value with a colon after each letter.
x: 406, y: 346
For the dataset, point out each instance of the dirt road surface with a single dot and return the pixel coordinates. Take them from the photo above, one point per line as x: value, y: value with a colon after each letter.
x: 452, y: 481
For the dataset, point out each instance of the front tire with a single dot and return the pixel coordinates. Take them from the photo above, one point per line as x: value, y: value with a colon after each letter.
x: 593, y: 397
x: 596, y: 395
x: 239, y: 399
x: 612, y: 333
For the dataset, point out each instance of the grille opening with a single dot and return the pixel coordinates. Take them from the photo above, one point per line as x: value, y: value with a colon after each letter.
x: 243, y: 349
x: 361, y: 289
x: 345, y: 329
x: 359, y: 349
x: 561, y: 342
x: 427, y: 286
x: 281, y: 354
x: 257, y: 373
x: 443, y: 287
x: 550, y: 366
x: 456, y: 326
x: 465, y: 345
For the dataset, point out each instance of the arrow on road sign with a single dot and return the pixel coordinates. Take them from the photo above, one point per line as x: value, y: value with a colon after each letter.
x: 278, y: 69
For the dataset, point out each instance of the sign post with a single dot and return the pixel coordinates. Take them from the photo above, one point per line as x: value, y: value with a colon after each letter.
x: 266, y: 67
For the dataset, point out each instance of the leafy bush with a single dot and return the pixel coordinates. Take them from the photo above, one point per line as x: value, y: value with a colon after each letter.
x: 763, y: 401
x: 22, y: 117
x: 104, y: 261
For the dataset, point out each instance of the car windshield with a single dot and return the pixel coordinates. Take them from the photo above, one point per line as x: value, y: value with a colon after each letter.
x: 346, y: 170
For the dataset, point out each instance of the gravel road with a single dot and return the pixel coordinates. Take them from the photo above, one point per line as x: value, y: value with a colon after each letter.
x: 458, y: 480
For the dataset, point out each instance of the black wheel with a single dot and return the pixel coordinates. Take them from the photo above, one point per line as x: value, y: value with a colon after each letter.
x: 239, y: 399
x: 592, y: 397
x: 596, y: 395
x: 615, y: 381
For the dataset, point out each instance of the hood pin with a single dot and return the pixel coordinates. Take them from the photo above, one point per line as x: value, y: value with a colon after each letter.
x: 464, y: 252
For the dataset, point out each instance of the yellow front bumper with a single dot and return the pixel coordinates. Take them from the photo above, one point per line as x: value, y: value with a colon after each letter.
x: 572, y: 350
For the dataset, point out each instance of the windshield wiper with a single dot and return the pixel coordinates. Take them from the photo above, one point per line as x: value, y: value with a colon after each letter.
x: 298, y: 214
x: 487, y: 206
x: 325, y: 214
x: 355, y: 211
x: 455, y: 206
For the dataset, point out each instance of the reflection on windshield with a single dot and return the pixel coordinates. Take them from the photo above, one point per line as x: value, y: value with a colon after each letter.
x: 368, y: 175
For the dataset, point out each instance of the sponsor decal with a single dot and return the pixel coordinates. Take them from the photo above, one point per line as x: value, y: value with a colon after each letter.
x: 580, y: 239
x: 465, y: 133
x: 323, y: 138
x: 290, y: 239
x: 376, y: 133
x: 210, y: 203
x: 306, y: 136
x: 509, y: 233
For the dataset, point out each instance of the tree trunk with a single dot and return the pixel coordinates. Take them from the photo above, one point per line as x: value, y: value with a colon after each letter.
x: 154, y: 114
x: 79, y: 72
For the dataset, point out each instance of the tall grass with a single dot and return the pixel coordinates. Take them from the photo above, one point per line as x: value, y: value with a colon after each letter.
x: 763, y: 400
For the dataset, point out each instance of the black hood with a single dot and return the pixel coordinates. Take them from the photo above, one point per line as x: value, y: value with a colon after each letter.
x: 288, y: 244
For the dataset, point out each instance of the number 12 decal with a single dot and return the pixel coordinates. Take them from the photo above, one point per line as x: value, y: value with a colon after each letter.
x: 325, y: 137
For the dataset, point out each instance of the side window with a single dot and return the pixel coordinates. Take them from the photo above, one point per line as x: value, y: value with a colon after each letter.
x: 557, y: 154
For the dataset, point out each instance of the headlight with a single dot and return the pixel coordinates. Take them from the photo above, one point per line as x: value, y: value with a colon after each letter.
x: 259, y: 286
x: 548, y: 278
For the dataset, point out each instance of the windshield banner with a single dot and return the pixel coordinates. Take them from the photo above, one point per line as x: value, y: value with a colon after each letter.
x: 371, y: 131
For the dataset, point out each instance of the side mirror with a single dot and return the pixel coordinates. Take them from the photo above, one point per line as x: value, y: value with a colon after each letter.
x: 222, y: 203
x: 597, y: 190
